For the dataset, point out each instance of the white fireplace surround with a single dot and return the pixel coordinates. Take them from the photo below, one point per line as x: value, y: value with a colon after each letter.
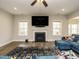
x: 40, y: 31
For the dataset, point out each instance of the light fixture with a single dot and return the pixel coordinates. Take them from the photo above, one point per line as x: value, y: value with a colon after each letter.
x: 15, y: 8
x: 40, y: 0
x: 62, y: 10
x: 43, y: 1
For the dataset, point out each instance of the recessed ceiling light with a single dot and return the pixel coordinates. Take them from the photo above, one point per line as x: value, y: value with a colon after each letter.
x: 15, y: 8
x: 62, y: 10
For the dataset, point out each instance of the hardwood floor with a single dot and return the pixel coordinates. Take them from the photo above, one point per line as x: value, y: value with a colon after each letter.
x: 7, y: 48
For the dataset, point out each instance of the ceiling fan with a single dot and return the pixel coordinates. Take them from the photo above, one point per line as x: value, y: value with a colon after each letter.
x: 43, y: 1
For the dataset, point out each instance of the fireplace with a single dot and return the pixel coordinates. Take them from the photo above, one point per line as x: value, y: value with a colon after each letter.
x: 40, y: 37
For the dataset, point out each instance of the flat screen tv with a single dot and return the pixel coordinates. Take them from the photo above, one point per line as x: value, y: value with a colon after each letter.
x: 40, y: 21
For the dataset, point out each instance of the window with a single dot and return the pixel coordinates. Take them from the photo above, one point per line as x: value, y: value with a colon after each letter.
x: 57, y: 28
x: 73, y: 29
x: 23, y: 28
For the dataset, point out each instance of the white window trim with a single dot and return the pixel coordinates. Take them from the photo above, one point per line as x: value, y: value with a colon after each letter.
x: 24, y: 31
x: 59, y: 30
x: 70, y: 29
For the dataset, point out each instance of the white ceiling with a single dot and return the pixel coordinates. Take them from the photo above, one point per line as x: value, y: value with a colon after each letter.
x: 54, y: 7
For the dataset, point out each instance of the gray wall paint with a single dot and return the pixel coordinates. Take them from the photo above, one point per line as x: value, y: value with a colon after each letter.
x: 5, y: 28
x: 32, y: 29
x: 76, y: 14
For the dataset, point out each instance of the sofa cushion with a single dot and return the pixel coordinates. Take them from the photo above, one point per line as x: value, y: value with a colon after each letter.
x: 75, y: 46
x: 62, y: 44
x: 76, y: 37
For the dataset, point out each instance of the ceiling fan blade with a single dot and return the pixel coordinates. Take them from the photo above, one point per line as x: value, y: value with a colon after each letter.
x: 45, y: 3
x: 33, y: 2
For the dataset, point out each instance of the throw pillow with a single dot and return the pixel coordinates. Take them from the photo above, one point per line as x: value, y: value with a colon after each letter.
x: 69, y: 38
x: 66, y: 37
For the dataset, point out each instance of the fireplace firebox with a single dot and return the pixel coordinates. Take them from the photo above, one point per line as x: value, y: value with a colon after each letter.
x: 40, y: 37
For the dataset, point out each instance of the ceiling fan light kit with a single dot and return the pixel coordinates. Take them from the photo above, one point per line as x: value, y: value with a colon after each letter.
x: 43, y: 1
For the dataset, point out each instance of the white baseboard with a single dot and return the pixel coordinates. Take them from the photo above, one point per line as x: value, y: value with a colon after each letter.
x: 18, y: 40
x: 5, y: 43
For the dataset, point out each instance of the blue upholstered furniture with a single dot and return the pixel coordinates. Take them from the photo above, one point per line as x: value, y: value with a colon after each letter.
x: 65, y: 45
x: 34, y: 57
x: 5, y: 57
x: 47, y: 57
x: 44, y: 57
x: 75, y: 46
x: 62, y: 44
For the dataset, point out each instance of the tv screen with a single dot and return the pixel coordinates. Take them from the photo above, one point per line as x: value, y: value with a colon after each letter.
x: 40, y: 21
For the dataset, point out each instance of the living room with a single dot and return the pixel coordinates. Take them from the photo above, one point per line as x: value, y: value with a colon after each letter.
x: 16, y: 22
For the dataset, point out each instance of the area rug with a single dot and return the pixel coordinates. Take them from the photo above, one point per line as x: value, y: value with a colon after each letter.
x: 30, y: 51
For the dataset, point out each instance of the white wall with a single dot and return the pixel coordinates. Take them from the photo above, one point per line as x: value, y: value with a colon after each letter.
x: 32, y: 29
x: 5, y: 28
x: 73, y: 21
x: 74, y: 15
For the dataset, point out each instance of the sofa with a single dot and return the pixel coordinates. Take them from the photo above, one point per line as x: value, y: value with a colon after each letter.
x: 5, y: 57
x: 44, y: 57
x: 68, y: 45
